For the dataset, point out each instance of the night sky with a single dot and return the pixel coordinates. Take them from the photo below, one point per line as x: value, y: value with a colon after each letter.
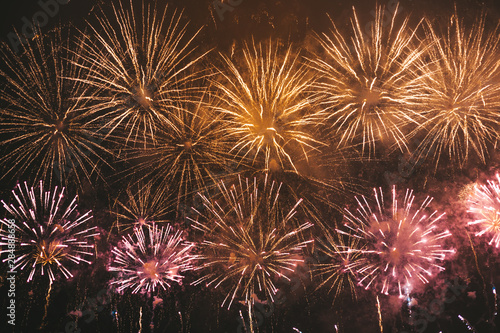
x: 463, y: 289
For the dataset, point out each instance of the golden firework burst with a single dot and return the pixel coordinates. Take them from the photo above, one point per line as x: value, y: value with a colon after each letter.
x: 368, y: 84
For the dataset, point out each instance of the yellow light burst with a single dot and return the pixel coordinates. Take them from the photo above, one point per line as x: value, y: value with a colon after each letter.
x: 135, y: 61
x: 142, y: 205
x: 270, y: 113
x: 368, y: 84
x: 462, y: 87
x: 48, y: 252
x: 249, y: 241
x: 344, y: 257
x: 47, y: 130
x: 191, y: 152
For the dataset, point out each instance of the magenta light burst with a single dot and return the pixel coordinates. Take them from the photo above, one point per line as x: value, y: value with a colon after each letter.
x: 400, y: 245
x: 145, y: 261
x: 484, y: 204
x: 48, y: 233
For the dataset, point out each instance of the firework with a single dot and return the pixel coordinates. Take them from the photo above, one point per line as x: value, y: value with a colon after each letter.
x: 462, y: 87
x: 466, y: 323
x: 484, y: 204
x: 143, y: 205
x: 249, y: 241
x: 495, y: 297
x: 49, y: 232
x: 270, y: 115
x: 191, y: 153
x: 136, y: 62
x: 369, y: 87
x: 146, y: 261
x: 47, y: 132
x: 339, y: 269
x: 399, y: 245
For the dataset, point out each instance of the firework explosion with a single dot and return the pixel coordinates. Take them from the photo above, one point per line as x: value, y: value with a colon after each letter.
x: 248, y: 241
x: 137, y: 72
x: 368, y: 86
x: 191, y: 153
x: 397, y: 245
x: 151, y: 260
x: 133, y: 82
x: 344, y: 257
x: 270, y: 114
x: 484, y: 205
x: 143, y: 205
x: 46, y: 129
x: 462, y: 88
x: 48, y: 232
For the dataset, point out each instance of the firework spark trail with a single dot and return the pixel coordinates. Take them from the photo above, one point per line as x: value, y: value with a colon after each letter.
x: 369, y: 86
x: 496, y: 301
x: 379, y: 312
x: 467, y: 324
x: 145, y: 261
x: 250, y: 241
x: 192, y: 152
x: 140, y: 320
x: 270, y: 114
x: 400, y: 246
x: 484, y: 205
x: 462, y: 86
x: 47, y: 129
x: 139, y: 64
x: 49, y: 232
x: 46, y: 307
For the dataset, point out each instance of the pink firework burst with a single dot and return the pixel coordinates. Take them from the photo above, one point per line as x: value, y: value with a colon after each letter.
x: 400, y: 245
x: 484, y: 205
x: 48, y: 232
x: 146, y: 260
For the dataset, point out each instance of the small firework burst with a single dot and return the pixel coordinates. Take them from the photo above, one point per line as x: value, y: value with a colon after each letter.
x: 146, y: 261
x: 399, y: 245
x: 368, y: 85
x: 344, y: 257
x: 270, y: 114
x: 250, y: 241
x: 484, y: 204
x: 191, y: 152
x: 462, y: 87
x: 139, y: 63
x: 143, y: 205
x: 49, y: 233
x: 47, y: 130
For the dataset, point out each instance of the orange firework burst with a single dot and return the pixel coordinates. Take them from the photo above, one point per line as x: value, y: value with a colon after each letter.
x: 399, y: 246
x: 136, y: 62
x: 368, y: 86
x: 143, y: 205
x: 47, y: 129
x: 484, y: 204
x: 192, y: 151
x: 462, y: 88
x: 250, y: 241
x: 270, y: 114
